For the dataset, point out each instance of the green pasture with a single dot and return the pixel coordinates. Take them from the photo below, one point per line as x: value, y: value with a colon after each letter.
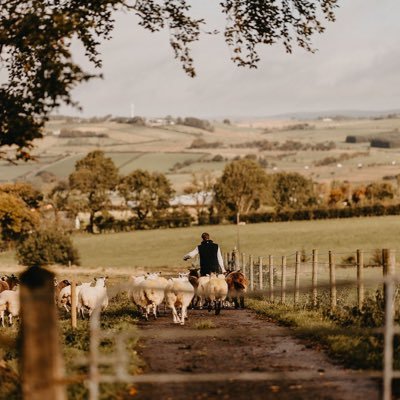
x: 164, y: 248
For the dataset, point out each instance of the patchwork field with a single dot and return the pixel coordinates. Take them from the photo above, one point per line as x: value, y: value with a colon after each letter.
x: 161, y: 148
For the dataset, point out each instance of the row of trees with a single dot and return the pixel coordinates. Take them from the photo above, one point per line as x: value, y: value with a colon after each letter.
x: 244, y: 187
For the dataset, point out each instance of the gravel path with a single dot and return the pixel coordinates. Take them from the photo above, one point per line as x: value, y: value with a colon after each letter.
x: 241, y: 343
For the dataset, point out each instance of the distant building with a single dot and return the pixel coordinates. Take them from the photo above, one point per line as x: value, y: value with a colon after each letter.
x: 160, y: 122
x: 192, y: 200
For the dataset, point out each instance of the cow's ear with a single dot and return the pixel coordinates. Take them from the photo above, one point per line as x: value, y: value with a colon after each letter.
x: 95, y: 279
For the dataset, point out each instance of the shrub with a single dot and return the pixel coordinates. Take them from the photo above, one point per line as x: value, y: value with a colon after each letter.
x: 198, y: 123
x: 202, y: 144
x: 46, y: 247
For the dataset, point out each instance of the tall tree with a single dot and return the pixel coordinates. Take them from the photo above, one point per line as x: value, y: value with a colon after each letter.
x: 292, y: 190
x: 243, y: 186
x: 94, y: 177
x: 147, y: 193
x: 36, y: 37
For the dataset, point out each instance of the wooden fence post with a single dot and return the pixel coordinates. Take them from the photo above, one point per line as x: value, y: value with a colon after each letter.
x: 283, y: 280
x: 251, y: 273
x: 314, y: 277
x: 389, y: 292
x: 332, y: 280
x: 41, y: 360
x: 226, y: 260
x: 260, y: 273
x: 360, y: 278
x: 389, y: 264
x: 235, y: 259
x: 297, y: 279
x: 73, y: 304
x: 244, y: 264
x: 271, y: 278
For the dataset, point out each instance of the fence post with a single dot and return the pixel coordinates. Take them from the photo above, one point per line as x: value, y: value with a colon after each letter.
x: 283, y: 280
x: 226, y: 260
x: 235, y: 259
x: 332, y: 280
x: 389, y: 324
x: 271, y: 278
x: 297, y: 279
x: 360, y: 278
x: 389, y: 264
x: 244, y: 264
x: 251, y: 273
x: 314, y: 277
x: 260, y: 273
x: 41, y: 360
x: 73, y: 304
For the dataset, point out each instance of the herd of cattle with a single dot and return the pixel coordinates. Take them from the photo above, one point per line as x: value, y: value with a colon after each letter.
x: 147, y: 292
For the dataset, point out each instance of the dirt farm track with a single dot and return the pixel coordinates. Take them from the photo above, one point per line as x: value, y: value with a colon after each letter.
x: 241, y: 342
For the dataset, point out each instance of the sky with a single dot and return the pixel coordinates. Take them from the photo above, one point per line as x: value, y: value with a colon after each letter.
x: 356, y: 67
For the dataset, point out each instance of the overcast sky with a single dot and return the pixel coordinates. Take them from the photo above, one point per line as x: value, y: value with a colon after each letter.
x: 357, y: 66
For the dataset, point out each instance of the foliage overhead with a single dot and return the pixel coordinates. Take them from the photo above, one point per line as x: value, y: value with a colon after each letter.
x: 94, y: 177
x: 36, y: 37
x: 243, y: 186
x: 47, y: 247
x: 147, y: 192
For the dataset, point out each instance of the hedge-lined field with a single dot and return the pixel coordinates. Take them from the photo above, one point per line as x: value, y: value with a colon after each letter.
x: 164, y: 248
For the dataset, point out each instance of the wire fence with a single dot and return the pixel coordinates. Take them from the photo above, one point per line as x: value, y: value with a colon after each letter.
x: 286, y: 280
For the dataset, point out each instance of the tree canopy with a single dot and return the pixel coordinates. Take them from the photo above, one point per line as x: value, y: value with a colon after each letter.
x: 36, y: 37
x: 147, y: 193
x: 25, y: 191
x: 243, y: 186
x: 292, y: 190
x: 16, y: 219
x: 94, y: 176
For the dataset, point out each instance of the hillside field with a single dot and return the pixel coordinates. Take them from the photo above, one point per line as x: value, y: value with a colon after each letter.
x: 162, y: 148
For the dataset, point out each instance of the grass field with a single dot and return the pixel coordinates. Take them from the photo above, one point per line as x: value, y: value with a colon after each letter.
x: 164, y: 248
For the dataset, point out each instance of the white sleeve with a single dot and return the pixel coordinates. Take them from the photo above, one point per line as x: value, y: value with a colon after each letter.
x: 220, y: 260
x: 193, y: 253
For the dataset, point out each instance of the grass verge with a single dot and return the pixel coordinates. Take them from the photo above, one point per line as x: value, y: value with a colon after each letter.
x: 353, y: 346
x: 120, y: 316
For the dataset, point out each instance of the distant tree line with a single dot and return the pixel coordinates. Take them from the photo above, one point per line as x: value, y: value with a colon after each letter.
x: 74, y: 133
x: 288, y: 145
x: 244, y: 192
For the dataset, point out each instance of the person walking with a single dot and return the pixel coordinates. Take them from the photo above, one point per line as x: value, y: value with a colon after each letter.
x: 210, y: 256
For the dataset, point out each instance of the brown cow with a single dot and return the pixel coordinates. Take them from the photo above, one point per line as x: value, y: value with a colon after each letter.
x: 237, y: 287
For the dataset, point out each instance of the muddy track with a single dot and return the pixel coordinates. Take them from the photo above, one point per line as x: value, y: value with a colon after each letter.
x: 241, y: 342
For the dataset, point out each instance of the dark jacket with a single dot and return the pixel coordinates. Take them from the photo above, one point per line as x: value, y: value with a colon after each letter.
x: 208, y: 252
